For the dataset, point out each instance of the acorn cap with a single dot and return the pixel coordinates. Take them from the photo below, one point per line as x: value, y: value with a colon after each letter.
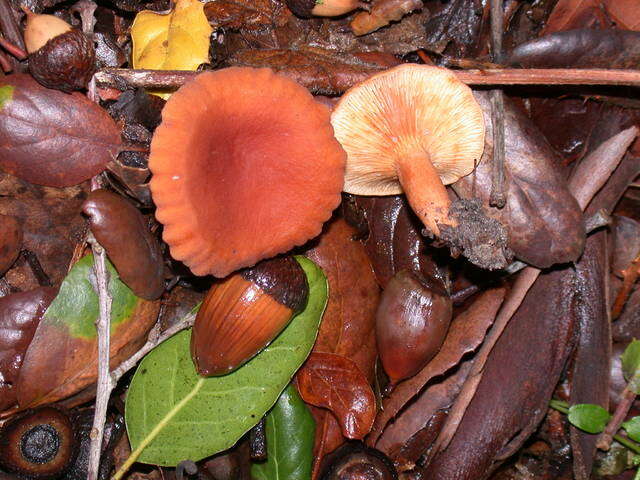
x: 39, y: 443
x: 66, y: 62
x: 245, y: 167
x: 410, y: 129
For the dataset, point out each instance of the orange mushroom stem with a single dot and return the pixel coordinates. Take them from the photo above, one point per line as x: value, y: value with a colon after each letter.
x: 427, y: 195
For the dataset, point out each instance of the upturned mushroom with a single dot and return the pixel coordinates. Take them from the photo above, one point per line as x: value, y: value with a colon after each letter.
x: 411, y: 129
x: 245, y: 166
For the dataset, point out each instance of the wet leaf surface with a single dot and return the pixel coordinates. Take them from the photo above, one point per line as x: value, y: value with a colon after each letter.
x: 335, y: 382
x: 20, y: 314
x: 138, y: 260
x: 580, y: 48
x: 66, y: 336
x: 466, y: 333
x: 166, y: 391
x: 53, y: 138
x: 394, y: 241
x: 290, y: 432
x: 507, y: 405
x: 590, y: 373
x: 322, y: 71
x: 51, y: 222
x: 543, y: 220
x: 348, y: 325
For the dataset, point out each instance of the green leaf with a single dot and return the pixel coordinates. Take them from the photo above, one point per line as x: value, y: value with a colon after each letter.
x: 172, y: 414
x: 631, y: 359
x: 588, y: 417
x: 290, y: 435
x: 6, y: 94
x: 632, y: 427
x: 76, y: 305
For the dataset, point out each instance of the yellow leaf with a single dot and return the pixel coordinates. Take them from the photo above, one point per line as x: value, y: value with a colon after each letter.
x: 178, y: 40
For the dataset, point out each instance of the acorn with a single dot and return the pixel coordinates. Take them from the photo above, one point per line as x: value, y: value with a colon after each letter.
x: 243, y: 313
x: 60, y: 56
x: 324, y: 8
x: 412, y: 321
x: 39, y: 444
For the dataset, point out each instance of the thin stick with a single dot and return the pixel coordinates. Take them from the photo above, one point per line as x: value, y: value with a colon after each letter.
x: 103, y: 324
x: 170, y: 79
x: 14, y: 50
x: 152, y: 343
x: 630, y: 277
x: 5, y: 64
x: 498, y: 197
x: 624, y: 405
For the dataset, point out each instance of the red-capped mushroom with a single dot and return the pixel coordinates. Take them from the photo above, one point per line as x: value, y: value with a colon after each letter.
x: 245, y: 166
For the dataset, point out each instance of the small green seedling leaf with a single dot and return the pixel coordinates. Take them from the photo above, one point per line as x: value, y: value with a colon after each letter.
x: 589, y: 418
x: 6, y: 93
x: 290, y: 435
x: 172, y: 413
x: 632, y: 428
x: 631, y: 359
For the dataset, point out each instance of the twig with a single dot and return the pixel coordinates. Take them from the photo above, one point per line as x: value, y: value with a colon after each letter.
x: 5, y: 64
x: 624, y: 405
x: 14, y: 50
x: 152, y: 343
x: 498, y: 197
x: 122, y: 78
x: 563, y: 407
x: 105, y: 385
x: 630, y: 277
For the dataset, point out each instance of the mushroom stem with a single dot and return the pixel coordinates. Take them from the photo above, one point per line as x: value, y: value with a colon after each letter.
x: 427, y: 195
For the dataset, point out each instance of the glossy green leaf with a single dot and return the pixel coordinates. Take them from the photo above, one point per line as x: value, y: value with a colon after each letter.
x: 172, y: 414
x: 588, y: 417
x: 631, y: 365
x: 290, y: 432
x: 6, y: 94
x: 76, y: 305
x: 631, y: 359
x: 632, y: 428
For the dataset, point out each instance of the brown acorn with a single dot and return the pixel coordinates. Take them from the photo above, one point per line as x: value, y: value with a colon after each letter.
x: 60, y: 56
x: 40, y: 443
x: 412, y: 321
x: 244, y: 312
x: 324, y: 8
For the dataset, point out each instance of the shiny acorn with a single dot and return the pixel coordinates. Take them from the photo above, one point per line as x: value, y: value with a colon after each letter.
x: 39, y: 444
x: 243, y: 313
x: 60, y: 56
x: 412, y: 321
x: 324, y: 8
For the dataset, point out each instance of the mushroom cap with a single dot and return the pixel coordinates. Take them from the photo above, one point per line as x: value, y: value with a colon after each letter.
x: 245, y: 166
x: 399, y: 113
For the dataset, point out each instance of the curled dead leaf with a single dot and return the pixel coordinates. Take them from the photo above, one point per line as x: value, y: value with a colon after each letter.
x: 335, y: 382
